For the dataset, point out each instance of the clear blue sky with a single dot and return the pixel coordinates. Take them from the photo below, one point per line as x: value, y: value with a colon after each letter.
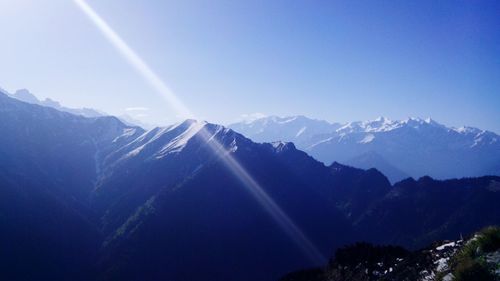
x: 334, y: 60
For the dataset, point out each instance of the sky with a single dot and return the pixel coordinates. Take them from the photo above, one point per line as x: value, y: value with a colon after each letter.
x: 335, y: 60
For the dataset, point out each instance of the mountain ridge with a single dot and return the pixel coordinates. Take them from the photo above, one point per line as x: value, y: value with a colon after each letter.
x: 411, y: 147
x: 141, y: 202
x: 26, y: 96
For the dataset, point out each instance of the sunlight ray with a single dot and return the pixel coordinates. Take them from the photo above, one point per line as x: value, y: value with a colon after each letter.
x: 271, y: 207
x: 137, y: 62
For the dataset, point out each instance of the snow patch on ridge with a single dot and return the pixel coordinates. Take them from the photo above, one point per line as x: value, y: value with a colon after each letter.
x: 153, y: 135
x: 320, y: 142
x: 288, y: 120
x: 442, y: 247
x: 179, y: 142
x: 301, y: 131
x: 368, y: 138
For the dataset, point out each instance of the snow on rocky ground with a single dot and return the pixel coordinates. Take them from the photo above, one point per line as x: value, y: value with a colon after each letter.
x: 440, y: 257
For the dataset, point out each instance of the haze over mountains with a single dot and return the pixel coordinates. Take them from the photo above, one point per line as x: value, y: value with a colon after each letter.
x: 26, y: 96
x: 413, y: 147
x: 93, y: 198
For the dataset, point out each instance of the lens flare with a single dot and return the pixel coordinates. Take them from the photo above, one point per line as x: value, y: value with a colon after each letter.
x: 137, y: 62
x: 281, y: 218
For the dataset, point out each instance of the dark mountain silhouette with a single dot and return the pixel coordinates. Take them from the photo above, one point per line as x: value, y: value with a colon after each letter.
x: 474, y: 259
x: 372, y: 159
x: 95, y: 199
x: 48, y: 165
x: 415, y: 213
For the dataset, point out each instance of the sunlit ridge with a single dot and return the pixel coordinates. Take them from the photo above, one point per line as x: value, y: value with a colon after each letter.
x: 283, y: 220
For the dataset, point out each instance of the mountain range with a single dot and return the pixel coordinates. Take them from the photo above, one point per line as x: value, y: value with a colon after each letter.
x: 409, y: 148
x: 26, y: 96
x: 413, y: 147
x: 91, y: 198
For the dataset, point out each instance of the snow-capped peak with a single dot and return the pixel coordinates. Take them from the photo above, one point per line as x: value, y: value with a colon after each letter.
x: 179, y: 142
x: 161, y: 142
x: 420, y: 121
x: 172, y: 138
x: 381, y: 119
x: 380, y: 124
x: 368, y: 138
x: 467, y: 130
x: 280, y: 146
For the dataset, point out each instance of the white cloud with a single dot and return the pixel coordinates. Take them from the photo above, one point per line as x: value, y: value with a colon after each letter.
x: 138, y: 108
x: 252, y: 116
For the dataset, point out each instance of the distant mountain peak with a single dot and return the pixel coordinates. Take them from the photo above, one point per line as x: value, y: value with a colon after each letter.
x: 52, y: 103
x: 26, y: 96
x: 281, y: 146
x: 410, y: 147
x: 468, y: 130
x: 384, y: 124
x: 379, y: 124
x: 382, y: 119
x: 279, y: 119
x: 249, y: 118
x: 418, y: 120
